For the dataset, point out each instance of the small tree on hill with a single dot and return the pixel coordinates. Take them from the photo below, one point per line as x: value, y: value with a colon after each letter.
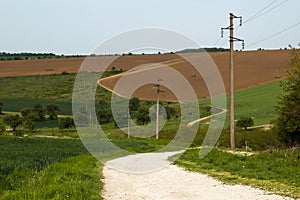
x: 245, y: 122
x: 104, y: 116
x: 134, y: 104
x: 40, y: 111
x: 66, y: 123
x: 288, y: 108
x: 25, y: 112
x: 171, y: 112
x: 28, y: 124
x: 51, y: 111
x: 143, y: 115
x: 13, y: 121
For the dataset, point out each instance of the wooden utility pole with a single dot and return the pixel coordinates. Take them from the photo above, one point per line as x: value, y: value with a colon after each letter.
x: 232, y: 39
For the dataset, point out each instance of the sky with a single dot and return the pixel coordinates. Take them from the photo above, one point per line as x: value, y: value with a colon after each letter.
x: 79, y: 26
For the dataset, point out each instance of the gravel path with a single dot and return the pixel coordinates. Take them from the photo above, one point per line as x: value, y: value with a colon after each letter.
x: 171, y: 182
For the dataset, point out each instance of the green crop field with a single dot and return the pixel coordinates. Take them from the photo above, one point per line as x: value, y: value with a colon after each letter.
x: 36, y: 168
x: 24, y: 91
x: 17, y: 104
x: 257, y: 102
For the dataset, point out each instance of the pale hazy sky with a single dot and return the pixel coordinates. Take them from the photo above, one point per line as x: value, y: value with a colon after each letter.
x: 78, y: 26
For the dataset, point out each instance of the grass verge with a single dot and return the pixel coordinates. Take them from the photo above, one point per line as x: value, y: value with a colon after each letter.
x: 273, y: 171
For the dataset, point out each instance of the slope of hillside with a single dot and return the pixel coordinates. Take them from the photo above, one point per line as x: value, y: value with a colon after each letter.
x: 252, y: 68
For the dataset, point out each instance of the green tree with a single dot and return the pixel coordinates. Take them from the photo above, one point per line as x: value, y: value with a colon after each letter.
x: 2, y: 128
x: 1, y: 107
x: 29, y: 115
x: 28, y: 118
x: 25, y: 112
x: 245, y: 122
x: 121, y: 119
x: 102, y: 103
x: 143, y: 115
x: 171, y: 112
x: 134, y: 104
x: 40, y: 111
x: 28, y: 124
x: 66, y: 123
x: 104, y: 116
x: 51, y: 110
x: 288, y: 108
x: 13, y: 121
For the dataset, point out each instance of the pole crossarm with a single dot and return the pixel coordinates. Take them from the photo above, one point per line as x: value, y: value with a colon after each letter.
x: 234, y: 39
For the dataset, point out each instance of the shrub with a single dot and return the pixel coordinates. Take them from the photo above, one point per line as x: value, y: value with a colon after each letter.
x: 245, y: 122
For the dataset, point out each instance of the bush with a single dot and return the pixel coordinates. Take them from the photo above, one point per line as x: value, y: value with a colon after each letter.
x: 66, y: 123
x: 255, y: 140
x: 13, y: 121
x: 143, y: 115
x: 245, y: 122
x: 65, y: 73
x: 288, y: 107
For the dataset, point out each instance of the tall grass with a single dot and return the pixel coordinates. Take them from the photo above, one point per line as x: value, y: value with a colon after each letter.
x: 276, y: 171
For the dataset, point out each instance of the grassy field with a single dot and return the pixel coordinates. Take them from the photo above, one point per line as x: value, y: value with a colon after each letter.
x: 258, y: 102
x: 24, y: 91
x: 39, y: 87
x: 36, y: 168
x: 19, y: 92
x: 276, y: 171
x: 17, y: 104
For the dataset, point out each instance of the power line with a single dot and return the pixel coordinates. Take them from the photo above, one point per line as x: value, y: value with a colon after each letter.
x: 217, y: 41
x: 267, y: 11
x: 260, y: 11
x: 274, y: 35
x: 258, y: 14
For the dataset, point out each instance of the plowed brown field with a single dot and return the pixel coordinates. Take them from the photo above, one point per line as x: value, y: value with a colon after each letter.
x: 252, y: 68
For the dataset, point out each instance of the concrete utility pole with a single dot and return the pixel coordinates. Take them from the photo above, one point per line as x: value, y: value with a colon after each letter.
x: 157, y: 108
x: 231, y: 40
x: 128, y: 122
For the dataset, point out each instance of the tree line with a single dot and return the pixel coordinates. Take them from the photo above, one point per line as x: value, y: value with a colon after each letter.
x: 138, y: 111
x: 37, y: 113
x: 4, y: 56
